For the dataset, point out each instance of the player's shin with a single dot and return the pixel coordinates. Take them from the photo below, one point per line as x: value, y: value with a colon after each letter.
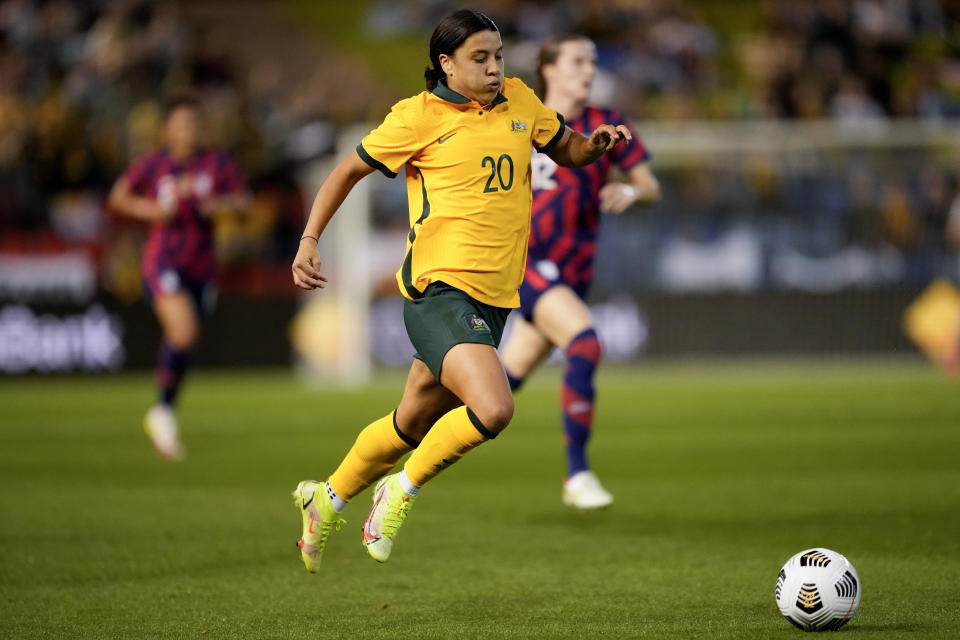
x: 583, y: 355
x: 377, y: 449
x: 450, y: 438
x: 171, y: 367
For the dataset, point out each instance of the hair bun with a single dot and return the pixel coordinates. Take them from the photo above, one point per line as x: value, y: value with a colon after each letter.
x: 433, y: 76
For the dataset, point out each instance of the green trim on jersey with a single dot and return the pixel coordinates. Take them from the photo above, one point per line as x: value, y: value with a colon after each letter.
x: 556, y: 138
x: 406, y: 269
x: 373, y: 162
x: 444, y: 92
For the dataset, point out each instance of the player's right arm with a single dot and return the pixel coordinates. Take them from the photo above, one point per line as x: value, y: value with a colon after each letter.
x: 643, y: 189
x: 332, y: 193
x: 575, y: 150
x: 566, y: 147
x: 125, y: 201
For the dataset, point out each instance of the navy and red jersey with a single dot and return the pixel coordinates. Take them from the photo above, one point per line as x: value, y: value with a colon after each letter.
x: 184, y: 244
x: 566, y: 204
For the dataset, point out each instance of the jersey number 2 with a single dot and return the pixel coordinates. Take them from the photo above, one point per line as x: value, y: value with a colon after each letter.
x: 542, y: 172
x: 496, y: 171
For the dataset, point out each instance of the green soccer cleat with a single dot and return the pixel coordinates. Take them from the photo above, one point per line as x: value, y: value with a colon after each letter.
x: 391, y: 504
x: 319, y: 519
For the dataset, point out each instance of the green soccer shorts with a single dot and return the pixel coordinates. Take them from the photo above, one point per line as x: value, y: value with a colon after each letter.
x: 446, y: 316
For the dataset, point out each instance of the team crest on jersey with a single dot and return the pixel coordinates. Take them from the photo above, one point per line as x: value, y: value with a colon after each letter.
x: 477, y: 323
x: 518, y: 127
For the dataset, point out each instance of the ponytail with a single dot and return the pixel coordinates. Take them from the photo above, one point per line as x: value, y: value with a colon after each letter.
x: 433, y: 76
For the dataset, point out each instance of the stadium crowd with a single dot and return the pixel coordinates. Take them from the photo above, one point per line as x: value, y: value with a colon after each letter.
x: 683, y: 59
x: 82, y: 88
x: 82, y: 83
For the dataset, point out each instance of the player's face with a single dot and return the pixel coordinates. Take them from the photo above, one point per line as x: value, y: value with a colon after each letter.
x: 476, y: 68
x: 182, y: 129
x: 573, y: 71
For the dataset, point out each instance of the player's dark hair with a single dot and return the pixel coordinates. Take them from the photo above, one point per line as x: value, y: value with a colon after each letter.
x: 449, y: 35
x: 184, y: 98
x: 549, y: 52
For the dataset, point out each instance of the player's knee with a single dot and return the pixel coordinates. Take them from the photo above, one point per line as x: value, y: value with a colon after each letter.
x: 585, y: 345
x: 184, y: 337
x: 416, y: 415
x: 515, y: 381
x: 495, y: 414
x: 416, y: 426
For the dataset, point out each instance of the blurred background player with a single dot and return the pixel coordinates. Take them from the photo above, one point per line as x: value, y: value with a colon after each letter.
x: 566, y: 207
x: 469, y: 217
x: 177, y: 190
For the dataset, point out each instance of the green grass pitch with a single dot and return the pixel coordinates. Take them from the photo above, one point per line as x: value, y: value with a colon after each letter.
x: 720, y: 472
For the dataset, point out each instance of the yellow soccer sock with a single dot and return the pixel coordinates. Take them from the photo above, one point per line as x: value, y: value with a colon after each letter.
x: 378, y: 447
x: 450, y: 438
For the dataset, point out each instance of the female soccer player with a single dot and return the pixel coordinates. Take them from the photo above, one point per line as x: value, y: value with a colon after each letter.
x: 177, y: 190
x: 465, y: 147
x: 566, y: 207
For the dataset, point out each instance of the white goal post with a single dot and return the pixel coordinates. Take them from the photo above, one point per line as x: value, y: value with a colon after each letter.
x: 331, y: 332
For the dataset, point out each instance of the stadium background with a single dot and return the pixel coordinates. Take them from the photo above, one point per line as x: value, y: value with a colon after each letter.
x: 808, y: 154
x: 766, y: 399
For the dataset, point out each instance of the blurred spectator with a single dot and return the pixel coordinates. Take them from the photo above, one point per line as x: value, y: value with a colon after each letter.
x: 81, y: 84
x: 953, y: 225
x: 852, y: 105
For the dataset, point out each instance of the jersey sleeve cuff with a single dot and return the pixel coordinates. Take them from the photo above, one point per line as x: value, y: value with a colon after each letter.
x: 376, y: 164
x: 556, y: 138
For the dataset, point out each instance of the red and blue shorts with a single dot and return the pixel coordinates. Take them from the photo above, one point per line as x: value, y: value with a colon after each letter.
x: 539, y: 277
x: 167, y: 280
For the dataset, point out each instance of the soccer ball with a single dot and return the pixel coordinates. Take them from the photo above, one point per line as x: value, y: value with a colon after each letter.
x: 818, y: 590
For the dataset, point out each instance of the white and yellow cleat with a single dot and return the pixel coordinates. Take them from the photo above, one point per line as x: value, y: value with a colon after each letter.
x: 582, y: 490
x: 161, y: 426
x: 319, y: 519
x: 390, y: 507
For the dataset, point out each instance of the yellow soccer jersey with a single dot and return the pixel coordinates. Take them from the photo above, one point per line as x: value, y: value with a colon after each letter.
x: 468, y: 185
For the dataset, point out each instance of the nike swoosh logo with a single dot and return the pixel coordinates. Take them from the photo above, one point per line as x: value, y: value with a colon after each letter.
x: 442, y: 140
x: 369, y: 535
x: 307, y: 503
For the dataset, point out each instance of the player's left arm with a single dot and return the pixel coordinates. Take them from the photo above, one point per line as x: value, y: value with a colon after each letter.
x: 576, y: 150
x: 563, y: 145
x: 643, y: 189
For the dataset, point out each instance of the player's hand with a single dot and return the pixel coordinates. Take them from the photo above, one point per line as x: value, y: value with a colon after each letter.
x: 617, y: 197
x: 153, y: 211
x: 237, y: 203
x: 605, y: 137
x: 306, y: 267
x: 208, y: 207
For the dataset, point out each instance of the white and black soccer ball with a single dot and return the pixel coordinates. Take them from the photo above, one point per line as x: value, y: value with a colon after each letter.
x: 818, y: 590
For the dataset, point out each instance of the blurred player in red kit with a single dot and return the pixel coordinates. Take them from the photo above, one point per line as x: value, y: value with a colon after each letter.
x: 178, y: 190
x: 566, y: 207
